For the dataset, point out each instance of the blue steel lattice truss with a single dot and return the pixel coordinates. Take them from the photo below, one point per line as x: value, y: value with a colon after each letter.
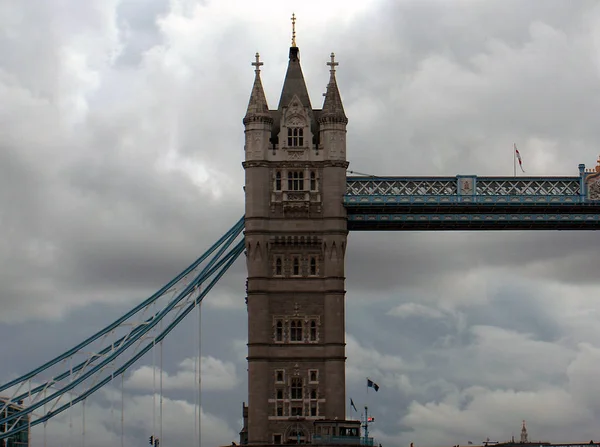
x: 468, y: 202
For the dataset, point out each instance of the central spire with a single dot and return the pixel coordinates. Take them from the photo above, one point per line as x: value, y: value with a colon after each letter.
x: 294, y: 79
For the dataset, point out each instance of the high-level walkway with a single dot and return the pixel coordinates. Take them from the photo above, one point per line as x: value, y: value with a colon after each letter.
x: 469, y: 202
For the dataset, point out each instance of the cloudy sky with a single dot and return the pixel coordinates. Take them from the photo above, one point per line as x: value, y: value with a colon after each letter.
x: 121, y: 143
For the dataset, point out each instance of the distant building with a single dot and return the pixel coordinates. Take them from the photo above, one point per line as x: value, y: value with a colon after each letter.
x: 526, y: 442
x: 21, y: 439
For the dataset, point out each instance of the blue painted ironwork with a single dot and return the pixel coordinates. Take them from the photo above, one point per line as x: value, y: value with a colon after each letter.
x: 97, y: 368
x: 469, y: 202
x: 473, y: 221
x: 455, y: 186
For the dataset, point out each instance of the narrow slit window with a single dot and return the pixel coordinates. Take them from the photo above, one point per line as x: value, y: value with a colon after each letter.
x: 313, y: 181
x: 279, y: 331
x: 278, y: 181
x: 313, y: 330
x: 296, y: 266
x: 313, y: 266
x: 278, y: 266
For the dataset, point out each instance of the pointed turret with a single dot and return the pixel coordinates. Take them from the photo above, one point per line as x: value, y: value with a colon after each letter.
x: 333, y: 109
x: 258, y: 109
x: 294, y: 79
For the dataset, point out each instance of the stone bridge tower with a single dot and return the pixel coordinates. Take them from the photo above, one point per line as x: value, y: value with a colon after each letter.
x: 296, y: 229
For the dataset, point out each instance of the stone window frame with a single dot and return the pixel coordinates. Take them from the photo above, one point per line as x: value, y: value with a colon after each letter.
x: 316, y: 264
x: 282, y: 372
x: 281, y: 259
x: 313, y: 322
x: 294, y: 330
x: 295, y: 136
x: 296, y: 261
x: 296, y: 405
x: 309, y: 332
x: 295, y: 180
x: 312, y: 372
x: 297, y: 392
x: 313, y: 180
x: 279, y: 390
x: 279, y: 331
x: 278, y: 180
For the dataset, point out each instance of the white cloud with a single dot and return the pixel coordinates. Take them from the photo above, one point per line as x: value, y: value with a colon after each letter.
x: 408, y: 310
x: 217, y: 375
x: 140, y: 419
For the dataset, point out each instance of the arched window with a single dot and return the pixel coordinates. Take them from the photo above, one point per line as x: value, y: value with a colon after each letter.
x: 295, y: 137
x: 278, y: 266
x: 278, y: 181
x: 313, y: 181
x: 313, y: 266
x: 279, y: 331
x: 313, y: 331
x: 296, y: 266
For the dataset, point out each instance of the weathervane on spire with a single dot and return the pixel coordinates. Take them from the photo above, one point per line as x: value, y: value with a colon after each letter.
x: 333, y: 63
x: 257, y: 64
x: 293, y: 30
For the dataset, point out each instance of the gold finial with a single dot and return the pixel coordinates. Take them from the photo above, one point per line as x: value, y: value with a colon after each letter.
x: 293, y: 30
x: 257, y: 64
x: 333, y: 63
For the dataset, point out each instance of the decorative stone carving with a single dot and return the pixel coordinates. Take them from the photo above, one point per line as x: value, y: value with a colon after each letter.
x: 296, y: 196
x: 296, y: 121
x: 295, y: 155
x: 594, y: 189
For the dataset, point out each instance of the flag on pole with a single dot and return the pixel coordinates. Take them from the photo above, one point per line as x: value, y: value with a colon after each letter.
x: 371, y: 384
x: 518, y: 157
x: 352, y: 404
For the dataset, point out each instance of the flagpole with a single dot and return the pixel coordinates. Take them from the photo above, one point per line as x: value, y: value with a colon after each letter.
x: 515, y: 159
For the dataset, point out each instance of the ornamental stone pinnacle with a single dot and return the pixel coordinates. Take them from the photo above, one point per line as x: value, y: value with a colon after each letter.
x: 258, y: 109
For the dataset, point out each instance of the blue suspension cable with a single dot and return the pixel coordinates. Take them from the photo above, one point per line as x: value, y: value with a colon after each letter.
x: 198, y: 280
x: 232, y: 256
x: 134, y: 334
x: 235, y: 229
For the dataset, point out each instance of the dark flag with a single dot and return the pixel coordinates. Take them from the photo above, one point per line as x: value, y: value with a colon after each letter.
x: 371, y: 384
x: 352, y: 404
